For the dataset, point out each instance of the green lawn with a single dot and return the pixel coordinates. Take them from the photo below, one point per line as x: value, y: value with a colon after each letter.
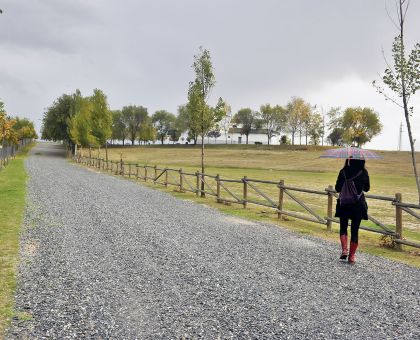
x: 12, y: 205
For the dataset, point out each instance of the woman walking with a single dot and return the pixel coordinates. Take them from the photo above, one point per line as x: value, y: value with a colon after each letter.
x: 352, y: 181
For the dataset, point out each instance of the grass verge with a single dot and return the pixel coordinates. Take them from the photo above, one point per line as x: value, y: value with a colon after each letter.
x: 12, y: 206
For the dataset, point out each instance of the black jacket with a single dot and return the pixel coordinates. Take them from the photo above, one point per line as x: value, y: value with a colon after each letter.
x: 362, y: 183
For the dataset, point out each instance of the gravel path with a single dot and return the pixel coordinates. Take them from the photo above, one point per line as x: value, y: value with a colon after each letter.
x: 103, y: 257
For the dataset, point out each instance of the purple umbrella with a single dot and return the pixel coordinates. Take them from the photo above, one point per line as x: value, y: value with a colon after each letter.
x: 350, y: 152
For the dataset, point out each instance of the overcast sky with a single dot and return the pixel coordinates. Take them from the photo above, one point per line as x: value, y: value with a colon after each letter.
x: 141, y: 52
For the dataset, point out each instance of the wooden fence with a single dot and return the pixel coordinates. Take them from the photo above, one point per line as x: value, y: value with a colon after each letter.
x: 250, y: 191
x: 8, y: 152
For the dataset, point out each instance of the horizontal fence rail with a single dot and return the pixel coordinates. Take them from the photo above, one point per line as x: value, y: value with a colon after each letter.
x: 259, y: 192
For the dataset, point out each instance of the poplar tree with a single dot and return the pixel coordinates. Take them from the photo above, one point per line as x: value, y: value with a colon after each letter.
x: 403, y: 77
x: 198, y: 95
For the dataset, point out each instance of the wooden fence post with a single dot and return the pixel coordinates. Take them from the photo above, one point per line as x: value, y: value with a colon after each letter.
x: 218, y: 188
x: 281, y: 194
x: 330, y: 208
x: 181, y: 186
x: 244, y: 180
x: 154, y: 179
x: 398, y: 221
x: 166, y: 177
x: 129, y: 170
x: 121, y: 165
x: 145, y: 173
x: 137, y: 172
x: 197, y: 189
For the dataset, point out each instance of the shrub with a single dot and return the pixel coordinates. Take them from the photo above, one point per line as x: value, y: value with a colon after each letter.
x: 387, y: 241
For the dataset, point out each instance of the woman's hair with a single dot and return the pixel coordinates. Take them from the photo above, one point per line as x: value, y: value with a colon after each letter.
x: 354, y: 165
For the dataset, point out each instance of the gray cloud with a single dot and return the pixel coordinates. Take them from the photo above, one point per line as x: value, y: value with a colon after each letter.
x: 141, y: 52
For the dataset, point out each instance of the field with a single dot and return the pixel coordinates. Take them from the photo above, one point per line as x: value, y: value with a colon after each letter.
x: 298, y: 166
x: 12, y: 204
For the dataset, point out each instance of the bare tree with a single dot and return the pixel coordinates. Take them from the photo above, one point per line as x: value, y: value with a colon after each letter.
x: 403, y: 77
x: 226, y: 121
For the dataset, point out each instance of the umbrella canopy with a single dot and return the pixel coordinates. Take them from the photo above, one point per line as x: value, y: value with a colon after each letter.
x: 350, y: 152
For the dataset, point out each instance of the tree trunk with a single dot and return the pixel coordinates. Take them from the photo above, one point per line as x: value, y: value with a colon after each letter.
x: 203, y: 194
x: 404, y: 97
x: 246, y: 139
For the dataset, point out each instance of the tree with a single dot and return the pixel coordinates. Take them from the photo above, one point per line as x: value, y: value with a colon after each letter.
x: 214, y: 134
x: 273, y: 119
x: 119, y: 130
x: 246, y: 118
x: 306, y: 123
x: 297, y: 110
x: 198, y: 95
x: 315, y: 129
x: 147, y: 131
x: 188, y: 121
x: 101, y: 117
x: 226, y: 120
x: 403, y: 77
x: 360, y: 125
x: 334, y: 117
x: 133, y: 116
x: 284, y: 140
x: 7, y: 131
x: 336, y: 136
x: 56, y: 120
x: 163, y: 122
x: 24, y: 128
x: 80, y: 122
x: 174, y: 134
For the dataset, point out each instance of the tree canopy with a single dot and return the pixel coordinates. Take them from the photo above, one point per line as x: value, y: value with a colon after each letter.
x: 133, y: 116
x: 360, y: 125
x: 246, y: 118
x: 164, y: 122
x: 14, y: 129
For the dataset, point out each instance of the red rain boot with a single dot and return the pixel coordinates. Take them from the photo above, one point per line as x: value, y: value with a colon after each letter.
x: 344, y: 250
x: 352, y: 258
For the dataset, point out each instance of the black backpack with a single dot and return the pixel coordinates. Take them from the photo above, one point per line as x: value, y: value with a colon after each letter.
x: 348, y: 194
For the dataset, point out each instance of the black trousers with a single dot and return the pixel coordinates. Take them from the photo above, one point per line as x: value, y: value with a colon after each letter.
x: 355, y: 224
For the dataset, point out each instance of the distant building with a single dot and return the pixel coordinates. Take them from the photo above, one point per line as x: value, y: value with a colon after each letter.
x: 256, y: 135
x: 235, y: 137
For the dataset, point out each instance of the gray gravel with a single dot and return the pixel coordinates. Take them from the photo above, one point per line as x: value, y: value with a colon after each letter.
x: 103, y: 257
